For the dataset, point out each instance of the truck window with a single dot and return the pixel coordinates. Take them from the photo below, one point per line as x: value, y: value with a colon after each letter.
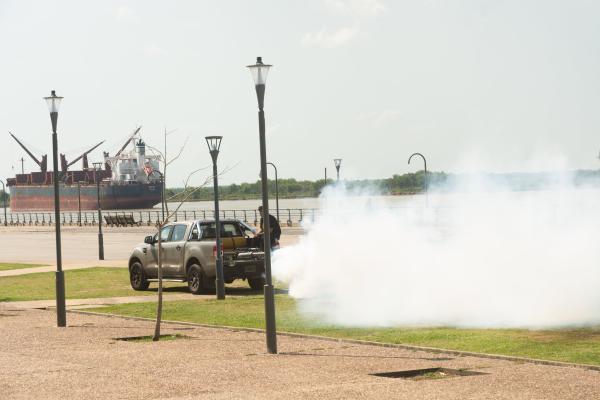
x: 178, y: 233
x: 164, y: 234
x: 228, y: 229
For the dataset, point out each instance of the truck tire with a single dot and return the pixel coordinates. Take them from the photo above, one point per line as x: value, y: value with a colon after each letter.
x: 256, y: 283
x: 137, y: 277
x: 195, y: 279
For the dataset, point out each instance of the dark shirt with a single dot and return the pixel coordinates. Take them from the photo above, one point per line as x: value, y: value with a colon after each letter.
x: 274, y: 225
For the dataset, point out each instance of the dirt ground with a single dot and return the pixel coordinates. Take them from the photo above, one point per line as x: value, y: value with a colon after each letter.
x: 84, y: 360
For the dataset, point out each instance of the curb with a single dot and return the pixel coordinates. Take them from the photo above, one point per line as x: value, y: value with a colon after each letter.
x: 362, y: 342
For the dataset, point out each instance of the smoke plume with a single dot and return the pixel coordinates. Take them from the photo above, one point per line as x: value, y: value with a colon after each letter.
x: 474, y: 258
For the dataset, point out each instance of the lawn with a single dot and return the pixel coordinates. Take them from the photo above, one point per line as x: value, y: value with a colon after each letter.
x: 7, y: 266
x: 79, y: 284
x: 570, y: 345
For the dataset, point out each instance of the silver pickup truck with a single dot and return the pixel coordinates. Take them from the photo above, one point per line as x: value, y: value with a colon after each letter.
x: 189, y: 255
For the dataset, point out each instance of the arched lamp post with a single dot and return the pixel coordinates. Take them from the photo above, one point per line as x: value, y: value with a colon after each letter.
x: 276, y: 189
x: 259, y: 73
x: 426, y: 176
x: 53, y: 102
x: 338, y: 164
x: 214, y: 144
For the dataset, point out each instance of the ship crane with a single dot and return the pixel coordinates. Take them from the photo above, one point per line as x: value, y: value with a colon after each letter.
x: 84, y: 156
x: 128, y: 141
x: 42, y: 164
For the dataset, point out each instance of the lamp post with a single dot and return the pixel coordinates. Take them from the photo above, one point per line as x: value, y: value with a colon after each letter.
x: 214, y: 144
x: 53, y: 102
x: 98, y: 168
x: 4, y: 201
x: 426, y: 176
x: 276, y: 189
x: 162, y: 192
x: 338, y: 164
x: 259, y: 73
x: 79, y: 203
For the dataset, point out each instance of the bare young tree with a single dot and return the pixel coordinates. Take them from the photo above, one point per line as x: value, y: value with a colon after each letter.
x: 185, y: 196
x: 181, y: 197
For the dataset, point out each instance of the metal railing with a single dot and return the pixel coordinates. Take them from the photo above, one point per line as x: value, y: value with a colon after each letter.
x: 288, y: 216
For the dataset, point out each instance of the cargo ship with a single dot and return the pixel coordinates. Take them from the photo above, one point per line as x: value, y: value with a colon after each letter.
x: 130, y: 179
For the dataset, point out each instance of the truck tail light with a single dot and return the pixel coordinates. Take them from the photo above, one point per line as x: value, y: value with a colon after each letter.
x: 215, y: 250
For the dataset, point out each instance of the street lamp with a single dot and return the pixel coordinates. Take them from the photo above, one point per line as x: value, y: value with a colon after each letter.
x: 53, y: 102
x: 79, y: 203
x: 97, y: 169
x: 214, y: 143
x: 426, y: 177
x: 162, y: 191
x: 4, y: 201
x: 276, y: 190
x: 338, y: 164
x: 259, y: 73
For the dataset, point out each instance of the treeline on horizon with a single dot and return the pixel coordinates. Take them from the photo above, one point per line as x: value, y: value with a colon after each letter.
x: 409, y: 183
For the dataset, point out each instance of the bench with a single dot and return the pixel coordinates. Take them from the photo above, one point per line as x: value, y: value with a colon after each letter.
x: 121, y: 220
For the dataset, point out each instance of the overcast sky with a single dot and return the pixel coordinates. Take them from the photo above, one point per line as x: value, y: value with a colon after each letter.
x: 475, y: 85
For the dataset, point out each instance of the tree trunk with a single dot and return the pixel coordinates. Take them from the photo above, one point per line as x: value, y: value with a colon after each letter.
x: 160, y: 291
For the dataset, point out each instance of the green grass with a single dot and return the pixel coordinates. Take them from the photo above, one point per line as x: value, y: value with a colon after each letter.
x: 7, y: 266
x: 79, y: 284
x: 570, y: 345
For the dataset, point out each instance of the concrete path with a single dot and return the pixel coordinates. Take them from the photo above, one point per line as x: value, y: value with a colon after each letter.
x: 86, y: 361
x: 73, y: 304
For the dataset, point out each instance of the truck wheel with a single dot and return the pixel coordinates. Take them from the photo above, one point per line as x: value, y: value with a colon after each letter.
x: 256, y: 283
x: 137, y: 278
x: 195, y: 279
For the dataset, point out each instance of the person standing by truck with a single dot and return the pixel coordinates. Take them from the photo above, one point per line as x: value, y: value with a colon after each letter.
x: 274, y: 226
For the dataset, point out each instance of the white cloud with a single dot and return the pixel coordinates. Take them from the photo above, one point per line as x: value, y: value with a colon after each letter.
x: 356, y: 8
x: 124, y: 13
x: 329, y: 39
x: 153, y: 50
x: 380, y: 117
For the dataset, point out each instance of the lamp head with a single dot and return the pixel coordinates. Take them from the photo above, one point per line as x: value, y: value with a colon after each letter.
x: 53, y: 102
x: 214, y: 144
x: 259, y: 71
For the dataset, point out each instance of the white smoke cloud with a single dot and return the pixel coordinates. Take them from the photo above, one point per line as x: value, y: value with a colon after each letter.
x: 487, y: 257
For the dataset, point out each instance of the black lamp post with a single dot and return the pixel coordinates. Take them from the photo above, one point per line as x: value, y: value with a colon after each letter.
x: 79, y: 203
x: 98, y: 169
x: 259, y: 72
x: 53, y: 102
x: 214, y: 144
x: 338, y: 164
x: 276, y: 189
x: 426, y: 176
x: 4, y: 202
x: 162, y: 192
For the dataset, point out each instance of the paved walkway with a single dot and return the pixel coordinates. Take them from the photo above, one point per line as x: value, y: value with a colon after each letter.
x: 85, y: 360
x: 73, y: 304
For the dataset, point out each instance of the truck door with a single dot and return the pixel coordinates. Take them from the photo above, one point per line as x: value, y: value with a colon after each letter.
x: 152, y: 260
x: 174, y: 250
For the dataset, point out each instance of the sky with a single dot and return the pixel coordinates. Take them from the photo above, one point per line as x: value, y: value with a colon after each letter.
x: 474, y: 85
